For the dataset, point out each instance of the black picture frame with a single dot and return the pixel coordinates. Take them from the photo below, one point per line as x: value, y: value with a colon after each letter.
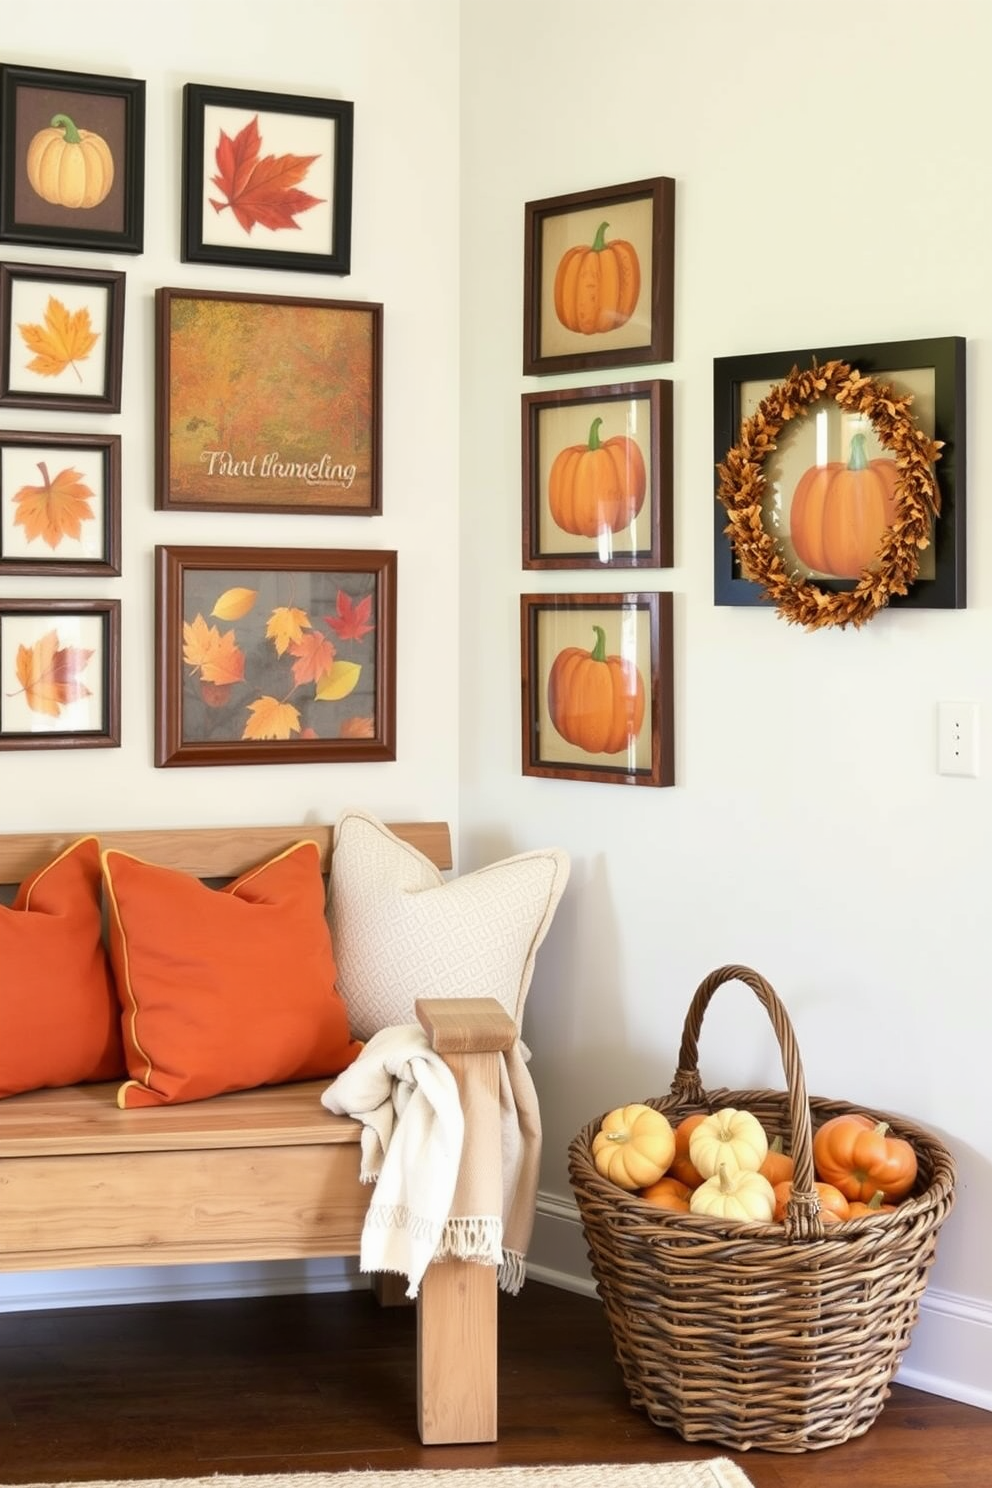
x: 111, y: 109
x: 86, y: 383
x: 81, y: 639
x: 315, y: 228
x: 738, y: 383
x: 558, y: 432
x: 641, y: 215
x: 65, y: 546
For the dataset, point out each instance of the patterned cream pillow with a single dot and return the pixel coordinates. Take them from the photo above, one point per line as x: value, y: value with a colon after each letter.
x: 401, y: 931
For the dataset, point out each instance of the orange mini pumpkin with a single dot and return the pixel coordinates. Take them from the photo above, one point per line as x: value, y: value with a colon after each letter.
x: 596, y: 701
x: 840, y: 512
x: 597, y: 487
x: 597, y: 286
x: 668, y: 1193
x: 857, y: 1154
x: 833, y: 1205
x: 683, y: 1168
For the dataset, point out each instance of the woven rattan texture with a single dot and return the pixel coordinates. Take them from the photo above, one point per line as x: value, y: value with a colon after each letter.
x: 778, y: 1336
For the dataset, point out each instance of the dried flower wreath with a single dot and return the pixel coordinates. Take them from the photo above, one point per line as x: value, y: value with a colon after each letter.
x: 798, y: 599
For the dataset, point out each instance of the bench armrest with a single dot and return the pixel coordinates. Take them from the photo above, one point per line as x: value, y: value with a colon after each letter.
x: 466, y: 1025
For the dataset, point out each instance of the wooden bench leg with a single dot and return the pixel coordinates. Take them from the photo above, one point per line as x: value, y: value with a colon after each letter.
x: 457, y: 1353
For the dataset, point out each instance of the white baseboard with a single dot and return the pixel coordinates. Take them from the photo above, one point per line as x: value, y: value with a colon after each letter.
x: 950, y: 1353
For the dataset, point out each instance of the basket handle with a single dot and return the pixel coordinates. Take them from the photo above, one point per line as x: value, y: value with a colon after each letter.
x: 802, y: 1219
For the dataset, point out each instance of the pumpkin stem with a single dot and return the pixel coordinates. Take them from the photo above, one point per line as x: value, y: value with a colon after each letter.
x: 859, y: 454
x: 599, y: 241
x: 726, y: 1182
x: 62, y: 121
x: 594, y: 433
x: 598, y: 652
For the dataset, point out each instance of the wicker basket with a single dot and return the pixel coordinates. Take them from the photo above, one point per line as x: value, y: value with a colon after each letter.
x: 785, y: 1336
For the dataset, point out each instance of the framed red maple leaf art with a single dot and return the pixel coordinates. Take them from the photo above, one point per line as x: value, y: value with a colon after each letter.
x: 60, y: 673
x: 267, y: 179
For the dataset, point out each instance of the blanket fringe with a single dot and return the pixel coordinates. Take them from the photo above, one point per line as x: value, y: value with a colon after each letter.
x: 472, y: 1238
x: 512, y: 1272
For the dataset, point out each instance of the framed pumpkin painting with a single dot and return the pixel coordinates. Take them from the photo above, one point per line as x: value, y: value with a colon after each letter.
x: 599, y: 277
x: 72, y: 169
x: 597, y: 687
x: 814, y: 450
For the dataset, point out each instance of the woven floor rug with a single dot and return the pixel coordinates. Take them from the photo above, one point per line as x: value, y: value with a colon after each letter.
x: 717, y: 1472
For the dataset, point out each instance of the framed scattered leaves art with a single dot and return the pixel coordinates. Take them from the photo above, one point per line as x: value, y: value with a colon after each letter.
x: 72, y: 159
x: 267, y: 179
x: 59, y: 673
x: 274, y: 655
x: 61, y: 338
x: 268, y: 403
x: 60, y: 503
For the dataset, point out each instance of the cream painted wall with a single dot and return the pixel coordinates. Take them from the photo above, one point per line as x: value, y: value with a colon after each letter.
x: 832, y: 188
x: 404, y: 254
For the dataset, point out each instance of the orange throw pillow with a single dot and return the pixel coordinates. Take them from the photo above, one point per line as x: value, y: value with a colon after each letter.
x: 224, y: 989
x: 59, y: 1016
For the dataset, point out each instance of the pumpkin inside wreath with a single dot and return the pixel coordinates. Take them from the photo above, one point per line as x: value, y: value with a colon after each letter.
x: 863, y: 519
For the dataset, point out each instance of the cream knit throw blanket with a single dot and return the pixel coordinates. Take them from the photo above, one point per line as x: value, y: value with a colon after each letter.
x: 430, y: 1186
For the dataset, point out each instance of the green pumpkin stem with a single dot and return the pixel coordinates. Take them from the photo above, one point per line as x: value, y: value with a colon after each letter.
x: 594, y: 433
x: 72, y: 136
x: 859, y: 454
x: 598, y: 652
x: 599, y: 241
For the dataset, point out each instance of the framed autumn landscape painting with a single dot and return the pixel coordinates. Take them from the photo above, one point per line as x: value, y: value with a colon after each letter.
x: 61, y: 338
x: 268, y: 403
x: 60, y: 673
x: 274, y: 656
x: 60, y: 503
x: 267, y: 179
x: 72, y: 159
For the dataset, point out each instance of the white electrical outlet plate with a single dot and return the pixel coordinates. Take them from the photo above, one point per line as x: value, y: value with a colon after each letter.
x: 957, y: 739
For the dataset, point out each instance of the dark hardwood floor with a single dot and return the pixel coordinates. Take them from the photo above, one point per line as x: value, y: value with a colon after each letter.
x: 326, y: 1384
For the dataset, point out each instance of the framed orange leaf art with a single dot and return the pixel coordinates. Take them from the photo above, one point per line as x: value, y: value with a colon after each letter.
x: 59, y: 673
x: 268, y: 403
x: 266, y: 180
x: 61, y: 338
x: 60, y: 503
x: 274, y: 655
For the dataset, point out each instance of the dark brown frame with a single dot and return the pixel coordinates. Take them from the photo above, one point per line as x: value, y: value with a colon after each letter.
x: 268, y: 316
x: 564, y: 761
x: 335, y: 177
x: 946, y: 356
x: 605, y: 349
x: 109, y: 734
x: 108, y: 400
x: 108, y: 446
x: 176, y: 684
x: 598, y: 551
x: 29, y: 101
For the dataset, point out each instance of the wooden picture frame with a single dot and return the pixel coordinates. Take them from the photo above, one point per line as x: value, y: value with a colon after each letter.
x: 61, y: 338
x: 619, y: 244
x: 60, y: 674
x: 561, y: 635
x: 267, y: 403
x: 60, y: 503
x: 933, y: 371
x: 597, y: 477
x: 72, y: 159
x: 274, y: 655
x: 267, y: 180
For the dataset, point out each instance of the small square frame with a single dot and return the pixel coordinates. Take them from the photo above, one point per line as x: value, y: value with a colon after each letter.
x: 939, y: 364
x: 41, y: 297
x: 640, y: 214
x: 110, y: 108
x: 620, y: 435
x: 304, y: 219
x: 289, y: 418
x: 38, y: 460
x: 227, y: 664
x: 67, y: 653
x: 634, y: 627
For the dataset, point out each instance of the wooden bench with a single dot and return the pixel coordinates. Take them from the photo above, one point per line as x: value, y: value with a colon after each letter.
x: 265, y: 1174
